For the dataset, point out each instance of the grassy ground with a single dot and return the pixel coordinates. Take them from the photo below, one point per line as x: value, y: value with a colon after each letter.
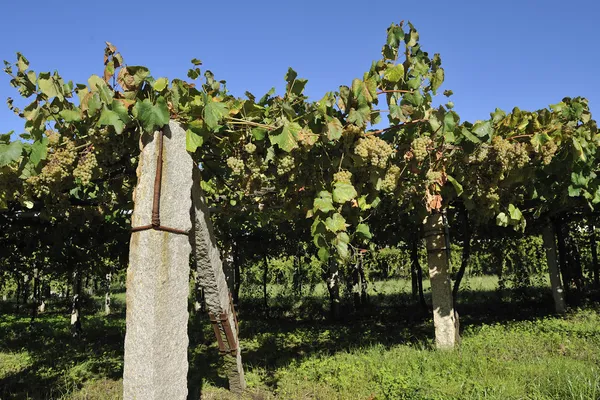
x: 512, y: 348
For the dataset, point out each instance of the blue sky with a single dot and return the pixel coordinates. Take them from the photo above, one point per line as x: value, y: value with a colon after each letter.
x: 496, y: 53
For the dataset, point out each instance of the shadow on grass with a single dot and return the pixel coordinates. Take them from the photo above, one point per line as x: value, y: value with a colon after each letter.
x: 59, y: 364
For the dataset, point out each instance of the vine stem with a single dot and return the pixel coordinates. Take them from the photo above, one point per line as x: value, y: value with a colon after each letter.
x: 395, y: 127
x: 394, y: 91
x: 238, y: 121
x: 519, y: 136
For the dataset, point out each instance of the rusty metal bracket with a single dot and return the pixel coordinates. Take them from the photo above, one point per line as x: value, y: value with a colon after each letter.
x: 155, y: 225
x: 223, y: 321
x: 215, y: 323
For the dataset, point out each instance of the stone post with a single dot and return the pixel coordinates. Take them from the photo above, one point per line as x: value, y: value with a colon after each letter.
x: 446, y: 334
x: 156, y: 339
x: 216, y: 293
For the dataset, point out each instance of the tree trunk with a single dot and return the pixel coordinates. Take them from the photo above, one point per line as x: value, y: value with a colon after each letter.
x: 441, y: 289
x: 355, y: 287
x: 332, y: 280
x: 466, y: 254
x: 264, y: 285
x: 34, y: 303
x: 363, y: 282
x: 76, y: 328
x: 594, y: 247
x: 107, y: 284
x: 557, y: 288
x: 416, y: 266
x: 563, y: 258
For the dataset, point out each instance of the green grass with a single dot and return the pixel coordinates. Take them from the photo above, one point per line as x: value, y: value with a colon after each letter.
x: 512, y: 348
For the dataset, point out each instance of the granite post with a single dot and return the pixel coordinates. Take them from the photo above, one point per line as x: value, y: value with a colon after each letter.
x: 216, y: 292
x: 156, y: 339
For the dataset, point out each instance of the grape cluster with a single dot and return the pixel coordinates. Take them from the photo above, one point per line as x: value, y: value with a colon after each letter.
x: 419, y: 148
x: 502, y: 149
x: 510, y: 155
x: 56, y: 170
x: 390, y: 181
x: 285, y: 165
x: 236, y: 165
x: 434, y: 176
x: 343, y: 176
x: 85, y: 167
x: 351, y: 130
x: 53, y: 138
x: 548, y: 151
x: 480, y: 155
x: 520, y: 154
x: 10, y: 184
x: 374, y: 151
x: 250, y: 148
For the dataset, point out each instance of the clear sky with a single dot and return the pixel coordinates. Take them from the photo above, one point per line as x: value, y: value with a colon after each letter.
x: 527, y: 53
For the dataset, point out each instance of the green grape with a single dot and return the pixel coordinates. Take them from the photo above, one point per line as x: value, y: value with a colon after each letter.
x: 419, y: 148
x: 390, y: 181
x: 343, y: 176
x: 236, y: 165
x: 548, y: 150
x: 56, y: 170
x: 53, y: 138
x: 434, y: 176
x: 520, y: 155
x: 502, y: 149
x: 85, y: 167
x: 285, y: 165
x: 250, y: 148
x: 374, y: 151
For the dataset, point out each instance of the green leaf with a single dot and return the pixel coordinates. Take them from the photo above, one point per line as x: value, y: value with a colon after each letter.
x: 364, y: 91
x: 10, y: 152
x: 160, y: 84
x: 192, y: 141
x: 359, y: 117
x: 22, y: 62
x: 394, y: 73
x: 119, y: 108
x: 195, y: 61
x: 71, y: 115
x: 323, y: 254
x: 364, y: 231
x: 152, y: 115
x: 334, y: 128
x: 457, y: 186
x: 579, y: 153
x: 287, y: 138
x: 49, y: 85
x: 341, y: 245
x: 483, y: 129
x: 573, y: 191
x: 343, y: 192
x: 214, y: 113
x: 111, y: 118
x: 469, y: 136
x: 336, y: 223
x: 259, y: 133
x: 436, y: 80
x: 502, y: 219
x: 39, y: 151
x: 515, y: 213
x: 323, y: 203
